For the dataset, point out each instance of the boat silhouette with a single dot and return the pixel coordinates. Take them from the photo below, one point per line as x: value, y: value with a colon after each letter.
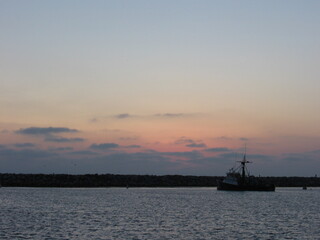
x: 238, y: 179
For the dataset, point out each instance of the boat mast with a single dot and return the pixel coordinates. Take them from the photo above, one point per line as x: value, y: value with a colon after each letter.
x: 243, y: 164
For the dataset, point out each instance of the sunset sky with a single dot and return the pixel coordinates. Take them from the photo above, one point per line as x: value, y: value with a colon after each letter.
x: 159, y: 87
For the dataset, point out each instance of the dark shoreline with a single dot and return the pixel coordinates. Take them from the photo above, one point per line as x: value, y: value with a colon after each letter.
x: 116, y: 180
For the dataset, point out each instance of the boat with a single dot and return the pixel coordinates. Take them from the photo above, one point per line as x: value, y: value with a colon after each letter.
x: 238, y: 179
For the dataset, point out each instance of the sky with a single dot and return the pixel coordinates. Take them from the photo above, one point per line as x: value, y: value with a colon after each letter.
x: 160, y: 87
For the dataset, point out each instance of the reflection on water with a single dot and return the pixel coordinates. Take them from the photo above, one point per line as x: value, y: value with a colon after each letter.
x: 158, y: 213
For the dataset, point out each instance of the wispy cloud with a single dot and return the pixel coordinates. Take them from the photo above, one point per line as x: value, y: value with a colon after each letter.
x: 107, y: 146
x: 104, y: 146
x: 158, y: 115
x: 314, y: 151
x: 221, y: 149
x: 184, y: 140
x: 244, y: 139
x: 24, y: 145
x: 50, y: 134
x: 141, y: 116
x: 190, y: 143
x: 171, y: 115
x: 93, y: 120
x: 45, y: 131
x: 223, y: 138
x: 196, y: 145
x: 226, y: 138
x: 133, y: 146
x: 128, y: 138
x: 123, y: 116
x: 63, y: 140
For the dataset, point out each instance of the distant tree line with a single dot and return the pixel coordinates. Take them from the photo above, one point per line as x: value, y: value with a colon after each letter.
x: 115, y: 180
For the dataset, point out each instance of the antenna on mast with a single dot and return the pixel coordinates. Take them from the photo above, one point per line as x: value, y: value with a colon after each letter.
x: 245, y: 154
x: 245, y: 148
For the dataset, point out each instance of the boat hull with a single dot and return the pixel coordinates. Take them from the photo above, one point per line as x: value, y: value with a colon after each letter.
x: 245, y: 187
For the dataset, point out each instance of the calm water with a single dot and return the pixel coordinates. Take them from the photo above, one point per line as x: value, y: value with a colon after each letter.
x: 158, y: 213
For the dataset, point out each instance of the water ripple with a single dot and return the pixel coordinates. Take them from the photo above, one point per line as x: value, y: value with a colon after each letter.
x: 142, y: 213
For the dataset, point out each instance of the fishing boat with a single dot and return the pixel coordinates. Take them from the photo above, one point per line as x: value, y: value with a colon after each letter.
x: 238, y: 179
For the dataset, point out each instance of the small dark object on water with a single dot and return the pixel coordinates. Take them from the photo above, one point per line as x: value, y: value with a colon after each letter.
x: 304, y: 188
x: 239, y: 180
